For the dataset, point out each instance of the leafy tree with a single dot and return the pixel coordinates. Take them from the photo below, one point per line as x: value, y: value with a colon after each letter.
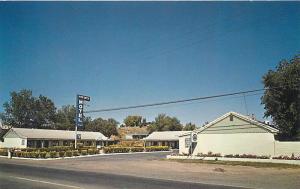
x: 134, y: 121
x: 107, y: 127
x: 65, y: 118
x: 189, y: 127
x: 282, y: 100
x: 165, y: 123
x: 24, y: 110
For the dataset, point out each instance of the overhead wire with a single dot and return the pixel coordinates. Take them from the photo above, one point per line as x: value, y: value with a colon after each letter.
x: 182, y: 100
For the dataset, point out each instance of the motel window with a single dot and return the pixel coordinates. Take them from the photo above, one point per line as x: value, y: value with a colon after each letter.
x: 187, y: 142
x: 23, y: 142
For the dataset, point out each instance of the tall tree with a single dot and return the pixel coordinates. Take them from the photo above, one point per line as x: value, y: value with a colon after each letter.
x: 107, y: 127
x: 165, y: 123
x: 133, y: 121
x: 189, y: 127
x: 24, y: 110
x: 282, y: 101
x: 65, y: 118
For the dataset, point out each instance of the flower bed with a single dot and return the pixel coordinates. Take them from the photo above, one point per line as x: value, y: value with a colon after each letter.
x: 209, y: 154
x: 247, y: 156
x: 292, y: 157
x: 51, y: 152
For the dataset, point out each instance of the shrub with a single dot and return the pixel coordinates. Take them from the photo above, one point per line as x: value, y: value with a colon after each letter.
x: 59, y: 148
x: 247, y: 156
x: 229, y: 156
x: 53, y: 154
x: 3, y: 152
x: 209, y: 154
x: 293, y: 157
x: 29, y: 149
x: 84, y: 152
x: 61, y: 153
x: 116, y: 149
x: 18, y: 153
x: 25, y: 154
x: 75, y: 153
x: 43, y: 154
x: 156, y: 148
x: 137, y: 149
x: 69, y: 153
x: 91, y: 151
x: 48, y: 155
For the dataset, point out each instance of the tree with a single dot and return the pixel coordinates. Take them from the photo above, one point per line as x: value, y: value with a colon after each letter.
x: 133, y: 121
x: 24, y: 110
x: 189, y: 127
x: 107, y: 127
x: 165, y: 123
x: 65, y: 118
x: 282, y: 100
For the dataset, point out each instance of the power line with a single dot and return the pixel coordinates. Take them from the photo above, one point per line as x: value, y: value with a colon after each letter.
x: 183, y: 100
x: 174, y: 102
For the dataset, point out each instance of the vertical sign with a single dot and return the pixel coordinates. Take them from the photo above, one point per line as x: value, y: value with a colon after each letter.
x: 79, y: 115
x: 79, y: 109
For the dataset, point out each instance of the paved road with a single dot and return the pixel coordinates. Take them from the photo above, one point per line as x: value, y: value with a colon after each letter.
x: 125, y: 157
x: 22, y: 176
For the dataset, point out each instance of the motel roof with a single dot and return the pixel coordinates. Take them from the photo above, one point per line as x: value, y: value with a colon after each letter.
x: 164, y: 136
x: 243, y: 117
x: 55, y: 134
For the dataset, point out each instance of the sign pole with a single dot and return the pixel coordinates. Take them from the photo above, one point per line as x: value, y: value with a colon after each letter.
x: 76, y: 121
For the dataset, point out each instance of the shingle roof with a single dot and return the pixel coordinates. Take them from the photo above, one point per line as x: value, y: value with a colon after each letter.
x: 57, y: 134
x: 165, y: 135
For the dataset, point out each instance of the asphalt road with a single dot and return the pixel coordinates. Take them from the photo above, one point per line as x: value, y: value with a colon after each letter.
x: 14, y: 176
x: 124, y: 157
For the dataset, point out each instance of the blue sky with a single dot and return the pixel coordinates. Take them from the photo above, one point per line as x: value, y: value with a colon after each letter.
x: 129, y: 53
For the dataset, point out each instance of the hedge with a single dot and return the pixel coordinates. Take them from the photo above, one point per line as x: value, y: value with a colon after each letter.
x: 92, y: 151
x: 156, y: 148
x: 69, y: 153
x: 84, y: 152
x: 61, y: 153
x: 3, y: 152
x: 137, y: 149
x: 116, y: 149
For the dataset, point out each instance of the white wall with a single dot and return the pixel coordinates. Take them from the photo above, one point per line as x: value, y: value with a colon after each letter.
x: 14, y: 143
x: 182, y: 148
x: 236, y: 143
x: 287, y: 148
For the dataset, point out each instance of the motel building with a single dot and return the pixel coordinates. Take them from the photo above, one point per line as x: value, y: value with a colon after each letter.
x: 164, y: 138
x: 234, y: 133
x: 43, y: 138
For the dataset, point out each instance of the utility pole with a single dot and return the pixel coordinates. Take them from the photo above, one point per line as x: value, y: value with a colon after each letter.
x: 245, y: 104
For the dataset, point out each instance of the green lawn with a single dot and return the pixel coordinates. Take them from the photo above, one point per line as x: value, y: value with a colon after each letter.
x: 239, y: 163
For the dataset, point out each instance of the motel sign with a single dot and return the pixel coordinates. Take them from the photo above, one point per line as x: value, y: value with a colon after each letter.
x: 79, y: 109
